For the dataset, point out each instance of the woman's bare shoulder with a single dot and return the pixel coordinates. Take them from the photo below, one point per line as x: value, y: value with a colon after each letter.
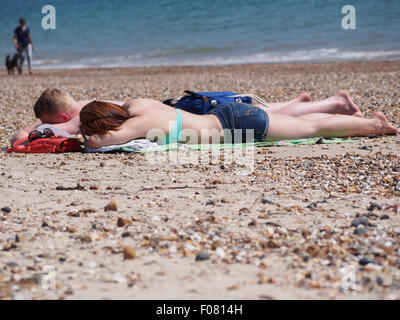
x: 139, y: 105
x: 143, y: 101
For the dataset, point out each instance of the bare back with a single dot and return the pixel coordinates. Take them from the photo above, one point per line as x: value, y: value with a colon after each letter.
x: 148, y: 115
x: 156, y: 115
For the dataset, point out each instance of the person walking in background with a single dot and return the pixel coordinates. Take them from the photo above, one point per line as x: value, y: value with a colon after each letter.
x: 24, y: 44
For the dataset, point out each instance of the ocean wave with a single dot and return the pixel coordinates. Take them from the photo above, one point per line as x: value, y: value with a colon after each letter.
x: 304, y: 56
x: 187, y: 57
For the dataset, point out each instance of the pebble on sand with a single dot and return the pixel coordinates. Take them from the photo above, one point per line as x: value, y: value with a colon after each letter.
x: 360, y: 220
x: 201, y: 256
x: 126, y: 234
x: 360, y: 231
x: 6, y: 209
x: 129, y: 253
x: 265, y: 200
x: 374, y: 205
x: 111, y: 206
x: 72, y: 229
x: 19, y: 238
x: 365, y: 261
x: 220, y: 253
x: 86, y: 239
x: 123, y: 222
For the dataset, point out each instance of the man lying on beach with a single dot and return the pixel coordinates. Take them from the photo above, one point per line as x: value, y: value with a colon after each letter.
x: 58, y: 108
x: 104, y: 123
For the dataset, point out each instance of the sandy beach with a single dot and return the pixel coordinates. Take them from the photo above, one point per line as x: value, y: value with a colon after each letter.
x: 306, y: 218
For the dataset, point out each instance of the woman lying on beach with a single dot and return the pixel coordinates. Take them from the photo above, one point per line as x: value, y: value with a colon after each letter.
x: 104, y: 123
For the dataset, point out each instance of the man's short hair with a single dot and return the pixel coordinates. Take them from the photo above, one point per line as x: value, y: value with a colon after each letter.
x: 22, y: 21
x: 51, y: 102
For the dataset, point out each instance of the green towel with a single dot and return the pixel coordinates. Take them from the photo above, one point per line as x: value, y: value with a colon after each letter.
x: 180, y: 146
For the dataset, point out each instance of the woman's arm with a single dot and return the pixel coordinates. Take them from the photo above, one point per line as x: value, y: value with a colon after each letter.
x: 130, y: 129
x: 133, y: 128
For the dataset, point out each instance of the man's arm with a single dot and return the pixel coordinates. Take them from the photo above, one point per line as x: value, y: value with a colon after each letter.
x: 15, y: 40
x: 71, y: 126
x: 23, y: 133
x: 30, y: 38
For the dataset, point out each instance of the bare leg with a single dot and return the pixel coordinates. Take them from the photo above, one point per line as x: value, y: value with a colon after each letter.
x: 276, y: 106
x: 287, y: 127
x: 20, y: 60
x: 314, y: 116
x: 28, y: 53
x: 340, y: 103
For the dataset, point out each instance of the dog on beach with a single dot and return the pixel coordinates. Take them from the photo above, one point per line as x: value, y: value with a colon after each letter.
x: 12, y: 63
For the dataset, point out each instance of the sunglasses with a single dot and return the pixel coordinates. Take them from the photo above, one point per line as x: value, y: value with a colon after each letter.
x: 36, y: 134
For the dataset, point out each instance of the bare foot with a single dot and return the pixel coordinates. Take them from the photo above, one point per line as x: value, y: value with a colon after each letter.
x: 347, y: 106
x: 384, y: 126
x: 304, y: 97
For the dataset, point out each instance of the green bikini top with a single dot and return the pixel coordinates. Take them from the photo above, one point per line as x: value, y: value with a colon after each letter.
x: 174, y: 136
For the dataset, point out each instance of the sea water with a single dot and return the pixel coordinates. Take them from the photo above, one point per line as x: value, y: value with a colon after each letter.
x: 123, y: 33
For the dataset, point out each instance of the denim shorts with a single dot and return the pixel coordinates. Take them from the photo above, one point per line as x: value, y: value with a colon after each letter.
x: 242, y: 121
